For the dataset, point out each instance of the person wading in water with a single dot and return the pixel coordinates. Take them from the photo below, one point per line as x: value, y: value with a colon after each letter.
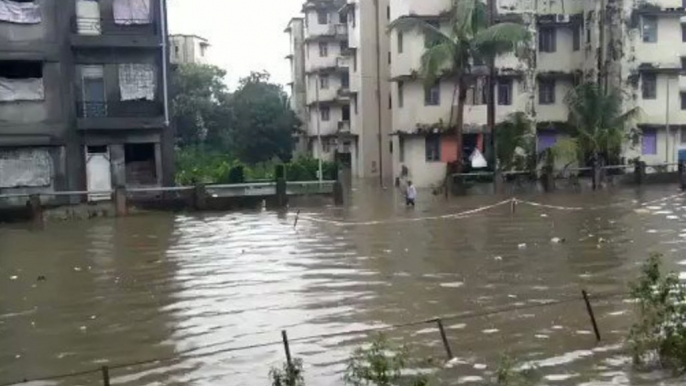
x: 411, y: 194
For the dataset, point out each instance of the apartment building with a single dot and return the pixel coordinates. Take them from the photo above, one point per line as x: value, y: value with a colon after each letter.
x: 344, y: 53
x: 188, y: 49
x: 83, y: 96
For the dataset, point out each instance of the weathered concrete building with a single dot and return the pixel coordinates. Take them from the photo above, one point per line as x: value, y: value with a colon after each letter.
x: 83, y: 95
x: 188, y: 49
x: 635, y: 45
x: 344, y: 52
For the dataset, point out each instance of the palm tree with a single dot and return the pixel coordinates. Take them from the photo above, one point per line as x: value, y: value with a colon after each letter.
x: 599, y: 124
x: 453, y: 53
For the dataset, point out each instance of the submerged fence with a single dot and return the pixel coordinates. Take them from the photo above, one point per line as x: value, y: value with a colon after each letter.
x: 584, y: 300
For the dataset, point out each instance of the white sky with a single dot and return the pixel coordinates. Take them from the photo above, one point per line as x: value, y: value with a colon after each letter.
x: 246, y: 35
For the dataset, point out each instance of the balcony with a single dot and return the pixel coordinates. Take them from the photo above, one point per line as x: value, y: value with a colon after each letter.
x: 343, y: 62
x: 93, y: 32
x: 119, y: 115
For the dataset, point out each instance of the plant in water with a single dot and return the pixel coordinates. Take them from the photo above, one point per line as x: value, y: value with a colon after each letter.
x: 288, y: 375
x: 659, y: 334
x: 511, y: 373
x: 380, y: 364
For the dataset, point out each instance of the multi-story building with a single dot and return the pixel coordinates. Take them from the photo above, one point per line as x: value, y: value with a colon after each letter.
x: 83, y: 95
x: 630, y: 44
x: 188, y: 49
x: 296, y: 56
x: 345, y: 58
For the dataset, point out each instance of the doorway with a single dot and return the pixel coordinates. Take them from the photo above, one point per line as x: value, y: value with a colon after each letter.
x: 98, y: 172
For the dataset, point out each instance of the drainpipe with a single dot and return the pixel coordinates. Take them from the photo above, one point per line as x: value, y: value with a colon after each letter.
x: 378, y: 86
x: 165, y: 81
x: 490, y: 119
x: 667, y: 128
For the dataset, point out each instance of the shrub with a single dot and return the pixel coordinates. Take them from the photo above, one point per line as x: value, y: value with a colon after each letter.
x: 288, y: 375
x: 659, y: 334
x: 509, y: 373
x: 380, y: 364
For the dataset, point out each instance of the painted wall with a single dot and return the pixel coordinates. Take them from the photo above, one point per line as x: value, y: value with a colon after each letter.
x: 328, y: 94
x: 314, y: 61
x: 564, y: 59
x: 329, y: 127
x: 558, y: 111
x: 418, y: 7
x: 312, y: 26
x: 422, y: 173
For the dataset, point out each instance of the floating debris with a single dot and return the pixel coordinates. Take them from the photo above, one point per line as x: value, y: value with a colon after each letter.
x: 77, y: 269
x: 15, y: 277
x: 522, y: 246
x: 456, y: 284
x: 498, y: 258
x: 557, y: 240
x: 480, y: 366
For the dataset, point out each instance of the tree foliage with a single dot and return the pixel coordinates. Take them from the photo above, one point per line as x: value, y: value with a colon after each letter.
x: 516, y: 142
x: 253, y: 124
x: 453, y: 52
x: 599, y: 124
x: 264, y: 122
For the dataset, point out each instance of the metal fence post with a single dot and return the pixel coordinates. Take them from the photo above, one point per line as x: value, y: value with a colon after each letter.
x: 444, y: 337
x: 589, y: 308
x: 105, y: 376
x: 287, y: 348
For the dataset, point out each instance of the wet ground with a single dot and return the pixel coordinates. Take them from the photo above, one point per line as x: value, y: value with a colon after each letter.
x: 187, y: 290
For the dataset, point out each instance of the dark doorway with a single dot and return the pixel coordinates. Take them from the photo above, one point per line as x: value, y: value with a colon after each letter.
x: 141, y: 168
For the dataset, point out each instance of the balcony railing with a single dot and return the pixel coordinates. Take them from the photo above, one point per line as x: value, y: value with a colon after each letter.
x: 343, y: 62
x: 95, y: 27
x: 344, y: 126
x: 125, y: 109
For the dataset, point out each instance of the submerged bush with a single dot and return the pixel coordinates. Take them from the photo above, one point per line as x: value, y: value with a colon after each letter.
x: 288, y: 375
x: 510, y: 373
x: 658, y: 337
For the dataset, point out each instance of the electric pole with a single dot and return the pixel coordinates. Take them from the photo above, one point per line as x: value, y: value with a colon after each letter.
x: 490, y: 119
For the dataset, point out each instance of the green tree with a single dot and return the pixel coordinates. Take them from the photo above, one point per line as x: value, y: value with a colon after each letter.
x: 452, y: 53
x: 513, y: 134
x: 599, y: 125
x: 264, y: 122
x: 201, y: 106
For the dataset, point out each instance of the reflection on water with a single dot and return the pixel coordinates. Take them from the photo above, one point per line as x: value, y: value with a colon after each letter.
x: 140, y: 288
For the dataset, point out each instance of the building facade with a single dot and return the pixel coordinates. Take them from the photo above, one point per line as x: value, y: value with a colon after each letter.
x: 82, y: 96
x: 188, y: 49
x: 634, y: 45
x: 344, y: 53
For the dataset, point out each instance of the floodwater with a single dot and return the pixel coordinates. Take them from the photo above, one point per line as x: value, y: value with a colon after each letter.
x: 185, y: 295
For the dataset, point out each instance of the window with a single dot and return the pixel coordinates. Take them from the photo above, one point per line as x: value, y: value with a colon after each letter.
x: 324, y: 82
x: 649, y: 86
x: 390, y: 102
x: 576, y: 38
x: 649, y: 141
x: 388, y: 12
x: 430, y: 40
x: 355, y: 62
x: 355, y: 103
x: 477, y: 94
x: 588, y: 36
x: 683, y: 100
x: 343, y: 18
x: 345, y: 113
x: 401, y: 94
x: 683, y: 33
x: 649, y: 29
x: 401, y: 148
x: 505, y: 92
x: 345, y: 80
x: 323, y: 49
x: 400, y: 42
x: 93, y: 92
x: 683, y: 63
x: 326, y: 146
x: 546, y: 92
x: 683, y: 135
x: 433, y: 148
x: 389, y: 57
x: 351, y: 18
x: 432, y: 95
x: 325, y: 113
x: 344, y: 45
x: 322, y: 17
x: 21, y: 81
x: 547, y: 39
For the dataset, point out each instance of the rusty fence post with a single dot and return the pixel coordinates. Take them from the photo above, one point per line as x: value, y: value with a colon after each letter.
x: 589, y: 308
x: 120, y: 204
x: 444, y: 337
x: 287, y: 348
x: 105, y: 376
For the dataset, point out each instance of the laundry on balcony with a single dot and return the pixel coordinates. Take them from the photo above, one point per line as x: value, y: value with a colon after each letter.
x: 20, y: 13
x: 26, y: 89
x: 130, y: 12
x: 25, y: 168
x: 137, y: 82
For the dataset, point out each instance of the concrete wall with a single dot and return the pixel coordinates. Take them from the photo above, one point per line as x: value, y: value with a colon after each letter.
x: 312, y: 26
x: 422, y: 173
x: 186, y: 49
x: 314, y: 61
x: 329, y: 127
x: 326, y: 95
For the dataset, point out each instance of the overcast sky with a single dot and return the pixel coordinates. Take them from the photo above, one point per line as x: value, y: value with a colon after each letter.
x: 246, y: 35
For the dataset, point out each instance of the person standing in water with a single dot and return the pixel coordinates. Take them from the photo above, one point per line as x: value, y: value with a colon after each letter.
x: 411, y: 194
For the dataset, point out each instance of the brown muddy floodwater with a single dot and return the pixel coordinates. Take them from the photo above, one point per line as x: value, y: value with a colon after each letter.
x: 188, y: 288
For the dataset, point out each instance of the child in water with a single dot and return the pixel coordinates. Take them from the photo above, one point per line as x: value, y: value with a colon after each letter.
x: 411, y: 194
